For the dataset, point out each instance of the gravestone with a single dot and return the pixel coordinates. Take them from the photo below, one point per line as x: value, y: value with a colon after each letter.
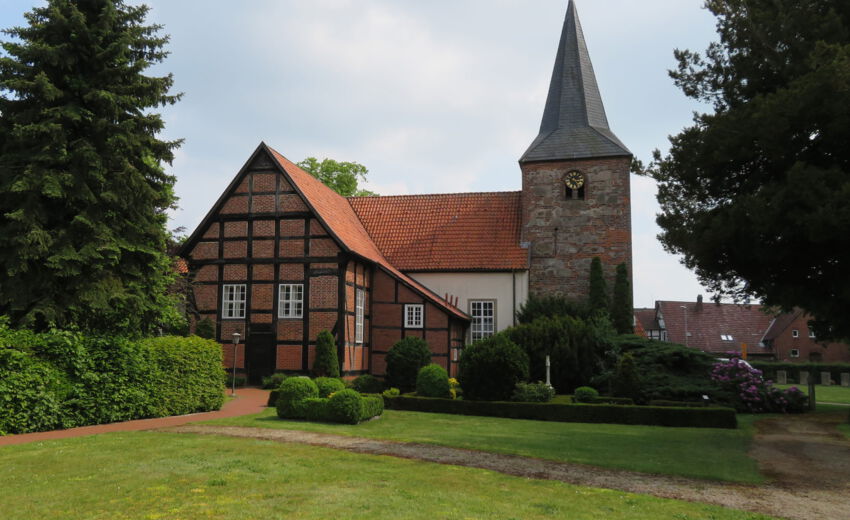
x: 781, y: 377
x: 804, y: 377
x: 825, y: 378
x: 845, y: 379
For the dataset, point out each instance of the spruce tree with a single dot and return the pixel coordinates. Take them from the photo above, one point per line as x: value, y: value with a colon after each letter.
x: 622, y: 313
x: 598, y: 300
x: 326, y: 363
x: 83, y: 193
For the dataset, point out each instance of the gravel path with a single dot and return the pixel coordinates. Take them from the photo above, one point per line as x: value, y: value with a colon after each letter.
x: 807, y: 460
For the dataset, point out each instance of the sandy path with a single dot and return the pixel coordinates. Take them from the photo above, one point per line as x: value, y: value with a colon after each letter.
x: 807, y: 460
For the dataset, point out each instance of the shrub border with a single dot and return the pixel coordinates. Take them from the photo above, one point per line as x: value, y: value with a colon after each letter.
x: 707, y: 417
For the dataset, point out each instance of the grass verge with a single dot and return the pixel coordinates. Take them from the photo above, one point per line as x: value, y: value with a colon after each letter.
x: 706, y: 453
x: 144, y: 475
x: 828, y: 394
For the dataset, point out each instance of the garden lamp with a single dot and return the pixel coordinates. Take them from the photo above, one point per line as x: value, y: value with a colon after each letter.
x: 235, y: 343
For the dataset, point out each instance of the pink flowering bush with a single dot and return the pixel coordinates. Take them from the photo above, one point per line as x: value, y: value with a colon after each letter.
x: 752, y: 393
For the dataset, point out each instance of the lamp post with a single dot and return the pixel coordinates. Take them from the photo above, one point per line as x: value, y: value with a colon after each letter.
x: 685, y: 312
x: 235, y: 343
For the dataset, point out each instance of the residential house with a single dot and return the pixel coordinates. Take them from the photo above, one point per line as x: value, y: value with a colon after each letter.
x: 724, y: 328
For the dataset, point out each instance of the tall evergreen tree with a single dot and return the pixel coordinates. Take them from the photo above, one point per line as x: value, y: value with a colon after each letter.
x: 622, y: 313
x: 83, y: 193
x: 754, y: 194
x: 598, y: 299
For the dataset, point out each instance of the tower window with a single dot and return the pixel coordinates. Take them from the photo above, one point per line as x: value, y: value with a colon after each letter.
x: 574, y: 184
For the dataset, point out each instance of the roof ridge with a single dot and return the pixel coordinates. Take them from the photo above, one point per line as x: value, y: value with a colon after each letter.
x: 412, y: 195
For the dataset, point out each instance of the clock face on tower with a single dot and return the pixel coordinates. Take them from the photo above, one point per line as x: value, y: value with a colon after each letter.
x: 574, y: 180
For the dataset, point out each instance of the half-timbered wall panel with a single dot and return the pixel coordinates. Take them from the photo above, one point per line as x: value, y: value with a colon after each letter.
x: 389, y: 298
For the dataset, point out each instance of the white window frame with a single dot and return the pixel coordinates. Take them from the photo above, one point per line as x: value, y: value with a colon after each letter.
x: 232, y: 306
x: 726, y: 337
x: 289, y: 305
x: 794, y: 352
x: 412, y: 318
x: 480, y: 328
x: 359, y: 308
x: 795, y: 333
x: 811, y: 334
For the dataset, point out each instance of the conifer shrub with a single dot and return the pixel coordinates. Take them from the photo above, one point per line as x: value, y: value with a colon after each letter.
x: 404, y: 360
x: 205, y: 328
x: 326, y: 363
x: 622, y: 313
x: 578, y: 348
x: 291, y: 396
x: 491, y: 368
x: 551, y: 306
x: 598, y: 298
x: 626, y: 379
x: 328, y: 385
x: 433, y: 381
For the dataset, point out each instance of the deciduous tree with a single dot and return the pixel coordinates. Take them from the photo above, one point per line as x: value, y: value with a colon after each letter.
x: 342, y: 177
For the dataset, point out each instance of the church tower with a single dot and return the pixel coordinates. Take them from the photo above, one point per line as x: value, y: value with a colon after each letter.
x: 575, y: 180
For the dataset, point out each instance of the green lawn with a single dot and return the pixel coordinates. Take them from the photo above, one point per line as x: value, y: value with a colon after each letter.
x: 715, y: 454
x: 144, y: 475
x: 827, y: 394
x: 845, y: 429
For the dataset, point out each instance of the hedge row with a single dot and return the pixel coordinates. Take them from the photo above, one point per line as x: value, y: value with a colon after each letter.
x: 62, y: 379
x: 793, y: 370
x: 586, y: 413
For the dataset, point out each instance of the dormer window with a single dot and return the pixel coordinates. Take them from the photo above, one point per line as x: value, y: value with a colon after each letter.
x: 575, y: 184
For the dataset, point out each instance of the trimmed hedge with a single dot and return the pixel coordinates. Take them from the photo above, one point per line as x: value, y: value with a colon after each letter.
x: 433, y: 381
x: 328, y: 386
x: 688, y: 404
x: 62, y: 379
x: 612, y: 400
x: 793, y: 370
x: 368, y: 384
x: 538, y: 392
x: 291, y: 396
x: 712, y: 417
x: 346, y: 406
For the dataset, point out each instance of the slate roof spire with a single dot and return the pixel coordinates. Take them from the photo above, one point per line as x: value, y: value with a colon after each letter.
x: 574, y: 125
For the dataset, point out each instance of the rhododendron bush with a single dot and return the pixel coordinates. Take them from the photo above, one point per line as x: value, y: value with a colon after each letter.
x: 752, y: 393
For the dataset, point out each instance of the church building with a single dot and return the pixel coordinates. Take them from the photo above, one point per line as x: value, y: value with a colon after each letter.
x: 281, y: 257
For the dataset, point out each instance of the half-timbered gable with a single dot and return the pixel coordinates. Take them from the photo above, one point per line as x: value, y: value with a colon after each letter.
x: 282, y: 257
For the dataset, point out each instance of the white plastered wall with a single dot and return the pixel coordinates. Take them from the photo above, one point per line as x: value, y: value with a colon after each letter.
x: 508, y: 289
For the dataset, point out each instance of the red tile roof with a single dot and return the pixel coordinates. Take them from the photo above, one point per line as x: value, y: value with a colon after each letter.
x: 782, y: 322
x: 744, y: 323
x: 446, y: 232
x: 646, y: 319
x: 340, y: 219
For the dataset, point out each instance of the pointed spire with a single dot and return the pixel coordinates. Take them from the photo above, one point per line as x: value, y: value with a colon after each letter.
x: 574, y: 125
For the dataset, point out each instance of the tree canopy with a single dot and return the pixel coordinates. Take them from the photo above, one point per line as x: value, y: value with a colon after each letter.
x: 755, y: 194
x: 342, y: 177
x: 83, y: 193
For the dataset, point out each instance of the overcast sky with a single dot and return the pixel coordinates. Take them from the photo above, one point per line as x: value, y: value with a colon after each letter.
x: 432, y: 96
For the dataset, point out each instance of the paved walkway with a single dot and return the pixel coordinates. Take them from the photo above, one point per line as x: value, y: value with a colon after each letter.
x: 247, y: 401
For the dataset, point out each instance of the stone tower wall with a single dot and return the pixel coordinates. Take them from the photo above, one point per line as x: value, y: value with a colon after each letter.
x: 565, y: 235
